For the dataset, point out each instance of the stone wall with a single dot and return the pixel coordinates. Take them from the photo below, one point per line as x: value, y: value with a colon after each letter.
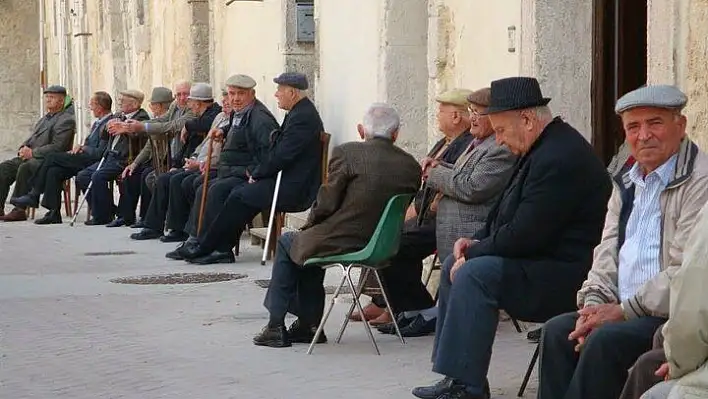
x: 20, y: 98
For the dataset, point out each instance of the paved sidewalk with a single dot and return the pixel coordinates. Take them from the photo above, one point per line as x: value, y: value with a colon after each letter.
x: 66, y: 331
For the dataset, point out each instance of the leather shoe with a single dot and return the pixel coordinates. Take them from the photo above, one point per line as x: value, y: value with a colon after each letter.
x: 146, y: 234
x: 119, y: 222
x: 26, y: 201
x: 302, y: 334
x: 385, y: 318
x: 94, y: 222
x: 389, y: 328
x: 371, y: 312
x: 177, y: 254
x: 15, y: 215
x: 174, y: 236
x: 274, y: 337
x: 139, y: 224
x: 534, y: 336
x: 419, y: 327
x: 213, y: 258
x: 52, y: 217
x: 447, y: 388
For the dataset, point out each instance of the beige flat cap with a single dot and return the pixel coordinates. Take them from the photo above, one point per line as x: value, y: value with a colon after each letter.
x: 455, y: 97
x: 481, y: 97
x: 136, y: 94
x: 242, y: 81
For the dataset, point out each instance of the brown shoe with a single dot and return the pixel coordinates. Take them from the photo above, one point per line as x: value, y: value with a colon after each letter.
x: 385, y: 318
x: 371, y: 312
x: 16, y: 215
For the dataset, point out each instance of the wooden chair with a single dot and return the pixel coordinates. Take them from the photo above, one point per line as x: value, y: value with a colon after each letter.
x: 67, y: 201
x: 279, y: 219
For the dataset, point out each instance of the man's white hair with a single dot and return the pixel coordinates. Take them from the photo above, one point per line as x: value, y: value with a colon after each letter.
x: 183, y: 82
x: 381, y: 120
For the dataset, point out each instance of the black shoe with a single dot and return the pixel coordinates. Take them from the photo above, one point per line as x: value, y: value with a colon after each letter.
x: 274, y: 337
x: 213, y: 258
x: 174, y: 236
x: 459, y: 392
x: 146, y: 234
x: 26, y: 201
x: 94, y: 222
x: 419, y: 327
x: 193, y: 252
x: 140, y: 224
x: 51, y: 217
x: 389, y: 328
x: 119, y: 222
x: 447, y: 388
x: 534, y: 336
x: 177, y: 253
x: 301, y: 334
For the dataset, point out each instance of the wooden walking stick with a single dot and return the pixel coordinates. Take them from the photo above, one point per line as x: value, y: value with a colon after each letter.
x: 205, y: 186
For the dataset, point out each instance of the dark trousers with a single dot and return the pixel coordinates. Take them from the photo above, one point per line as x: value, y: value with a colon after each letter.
x: 159, y: 204
x: 134, y: 190
x: 57, y: 168
x: 218, y: 191
x: 600, y: 369
x: 294, y: 289
x: 181, y: 201
x: 402, y: 279
x: 100, y: 197
x: 19, y: 171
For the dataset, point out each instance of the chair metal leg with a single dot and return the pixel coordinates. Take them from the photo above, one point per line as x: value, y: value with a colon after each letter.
x: 361, y: 309
x: 320, y: 327
x: 388, y: 305
x: 357, y: 294
x: 516, y: 325
x: 529, y: 370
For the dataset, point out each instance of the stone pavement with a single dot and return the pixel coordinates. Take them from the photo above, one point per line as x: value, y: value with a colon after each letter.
x: 66, y: 331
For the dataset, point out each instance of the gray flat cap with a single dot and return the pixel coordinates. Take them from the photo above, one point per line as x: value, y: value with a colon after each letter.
x: 242, y: 81
x: 292, y: 79
x: 136, y: 94
x: 201, y: 92
x: 224, y: 92
x: 161, y: 95
x: 57, y: 89
x: 658, y: 96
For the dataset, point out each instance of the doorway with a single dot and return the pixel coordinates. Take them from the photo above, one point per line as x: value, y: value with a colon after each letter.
x: 619, y: 65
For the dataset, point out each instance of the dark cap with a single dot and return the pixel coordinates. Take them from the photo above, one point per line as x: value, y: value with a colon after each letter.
x: 56, y: 89
x: 515, y: 93
x: 292, y: 79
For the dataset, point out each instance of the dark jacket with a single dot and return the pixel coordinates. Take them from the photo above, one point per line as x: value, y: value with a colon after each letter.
x: 297, y: 151
x: 197, y: 129
x: 96, y: 142
x: 550, y: 216
x: 247, y: 142
x: 52, y: 133
x: 122, y: 149
x: 362, y: 179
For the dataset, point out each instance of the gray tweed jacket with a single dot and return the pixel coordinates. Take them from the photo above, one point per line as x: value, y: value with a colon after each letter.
x: 470, y: 188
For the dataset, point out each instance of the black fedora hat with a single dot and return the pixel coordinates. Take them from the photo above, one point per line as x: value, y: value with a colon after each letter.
x: 515, y: 93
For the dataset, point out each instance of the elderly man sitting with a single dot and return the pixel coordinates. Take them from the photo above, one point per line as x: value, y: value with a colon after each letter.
x: 362, y: 179
x: 536, y: 247
x: 586, y: 354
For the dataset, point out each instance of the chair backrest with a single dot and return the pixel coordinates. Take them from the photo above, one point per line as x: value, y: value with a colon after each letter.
x: 324, y: 141
x: 384, y: 243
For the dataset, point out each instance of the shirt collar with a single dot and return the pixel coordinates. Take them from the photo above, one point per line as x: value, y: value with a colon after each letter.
x: 664, y: 172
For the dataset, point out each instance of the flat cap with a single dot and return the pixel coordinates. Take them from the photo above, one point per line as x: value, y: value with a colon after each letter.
x: 224, y: 92
x: 161, y: 95
x: 136, y: 94
x: 292, y: 79
x: 481, y: 97
x: 657, y: 96
x: 201, y: 92
x: 242, y: 81
x: 455, y: 97
x: 57, y: 89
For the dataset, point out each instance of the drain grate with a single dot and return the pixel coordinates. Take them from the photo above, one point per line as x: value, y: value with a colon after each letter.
x: 329, y: 289
x: 110, y: 253
x: 180, y: 278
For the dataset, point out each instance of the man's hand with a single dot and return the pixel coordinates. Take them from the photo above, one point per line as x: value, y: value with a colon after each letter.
x: 461, y: 245
x: 428, y: 163
x: 191, y: 164
x: 251, y: 180
x: 202, y: 167
x: 133, y: 126
x: 411, y: 213
x: 183, y: 135
x: 128, y: 171
x: 663, y: 372
x: 119, y: 128
x: 458, y: 264
x: 579, y: 325
x: 77, y: 149
x: 25, y: 153
x: 594, y: 316
x: 215, y: 133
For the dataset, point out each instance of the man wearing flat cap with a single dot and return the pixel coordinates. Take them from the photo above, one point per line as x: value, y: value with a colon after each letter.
x: 116, y: 156
x: 295, y: 150
x: 651, y: 213
x: 535, y: 248
x: 54, y: 132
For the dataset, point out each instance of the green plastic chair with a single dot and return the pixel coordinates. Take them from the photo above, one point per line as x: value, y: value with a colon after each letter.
x: 382, y: 246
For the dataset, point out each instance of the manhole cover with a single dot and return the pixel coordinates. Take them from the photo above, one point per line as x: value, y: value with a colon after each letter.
x: 329, y: 289
x: 179, y: 278
x: 110, y: 253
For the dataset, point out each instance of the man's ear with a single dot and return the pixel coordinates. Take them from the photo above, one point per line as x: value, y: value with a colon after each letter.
x: 360, y: 129
x: 394, y: 136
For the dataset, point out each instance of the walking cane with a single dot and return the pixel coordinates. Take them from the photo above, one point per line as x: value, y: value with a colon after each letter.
x: 271, y: 218
x: 205, y: 186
